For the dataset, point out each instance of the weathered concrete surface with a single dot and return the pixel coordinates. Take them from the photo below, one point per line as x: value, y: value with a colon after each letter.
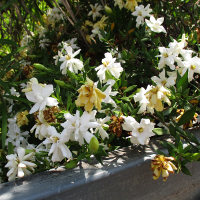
x: 125, y: 175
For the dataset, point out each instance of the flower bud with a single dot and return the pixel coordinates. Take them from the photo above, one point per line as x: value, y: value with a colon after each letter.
x: 108, y: 10
x: 94, y: 145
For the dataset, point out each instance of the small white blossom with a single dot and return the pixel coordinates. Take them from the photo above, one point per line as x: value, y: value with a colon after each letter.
x: 108, y: 64
x: 95, y: 11
x: 140, y: 132
x: 192, y: 66
x: 155, y: 25
x: 59, y: 149
x: 166, y: 58
x: 54, y: 15
x: 108, y: 92
x: 69, y: 43
x: 39, y: 94
x: 102, y: 125
x: 141, y: 98
x: 163, y: 80
x: 15, y: 135
x: 141, y: 12
x: 119, y: 3
x: 69, y: 62
x: 76, y: 127
x: 96, y: 32
x: 44, y: 43
x: 41, y: 127
x: 20, y: 164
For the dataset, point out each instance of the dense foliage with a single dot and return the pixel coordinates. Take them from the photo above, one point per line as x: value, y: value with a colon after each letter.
x: 81, y: 78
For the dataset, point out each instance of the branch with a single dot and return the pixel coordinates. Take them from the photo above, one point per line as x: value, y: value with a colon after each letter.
x: 68, y: 8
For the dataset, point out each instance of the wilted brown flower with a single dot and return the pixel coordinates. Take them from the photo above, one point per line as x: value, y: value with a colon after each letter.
x: 28, y: 71
x: 162, y: 165
x: 49, y: 114
x: 116, y: 125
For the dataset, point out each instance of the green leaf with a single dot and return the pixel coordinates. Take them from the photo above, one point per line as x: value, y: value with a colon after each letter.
x: 185, y: 170
x: 160, y: 131
x: 40, y: 67
x: 63, y: 84
x: 10, y: 148
x: 187, y: 116
x: 182, y: 82
x: 71, y: 164
x: 4, y: 123
x: 130, y: 88
x: 192, y: 156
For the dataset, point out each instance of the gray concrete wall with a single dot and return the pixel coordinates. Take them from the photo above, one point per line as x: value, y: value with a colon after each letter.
x: 125, y: 175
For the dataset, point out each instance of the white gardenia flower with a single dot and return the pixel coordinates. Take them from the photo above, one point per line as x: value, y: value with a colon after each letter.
x: 100, y: 128
x: 163, y: 80
x: 140, y: 132
x: 44, y: 43
x: 178, y: 47
x: 95, y: 11
x: 166, y: 58
x: 96, y: 32
x: 41, y: 127
x: 71, y: 43
x: 193, y: 66
x: 69, y: 62
x: 14, y: 134
x: 108, y: 64
x: 39, y: 95
x: 76, y: 127
x: 20, y: 164
x: 141, y: 12
x: 54, y: 15
x: 11, y: 101
x: 59, y: 149
x: 152, y: 98
x: 141, y: 98
x: 129, y: 123
x: 155, y: 25
x: 108, y: 92
x: 119, y: 3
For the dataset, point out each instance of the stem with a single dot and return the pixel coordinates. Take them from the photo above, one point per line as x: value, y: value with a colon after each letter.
x: 68, y: 8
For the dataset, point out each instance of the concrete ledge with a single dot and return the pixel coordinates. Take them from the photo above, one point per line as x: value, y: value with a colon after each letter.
x: 126, y: 174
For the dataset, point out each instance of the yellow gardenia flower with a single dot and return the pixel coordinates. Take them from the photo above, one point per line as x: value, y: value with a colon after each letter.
x: 162, y: 165
x: 21, y: 118
x: 130, y: 4
x: 155, y: 97
x: 90, y: 96
x: 101, y: 23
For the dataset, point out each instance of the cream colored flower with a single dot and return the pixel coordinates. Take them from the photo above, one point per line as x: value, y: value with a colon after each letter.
x: 155, y: 97
x: 101, y: 23
x: 21, y: 118
x: 130, y: 4
x: 162, y: 165
x: 90, y: 96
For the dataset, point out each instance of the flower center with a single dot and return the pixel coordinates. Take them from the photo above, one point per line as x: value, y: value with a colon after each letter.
x: 139, y: 13
x: 193, y: 67
x: 68, y: 57
x: 140, y: 130
x: 164, y: 82
x: 94, y: 10
x: 55, y: 139
x: 106, y: 63
x: 165, y: 55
